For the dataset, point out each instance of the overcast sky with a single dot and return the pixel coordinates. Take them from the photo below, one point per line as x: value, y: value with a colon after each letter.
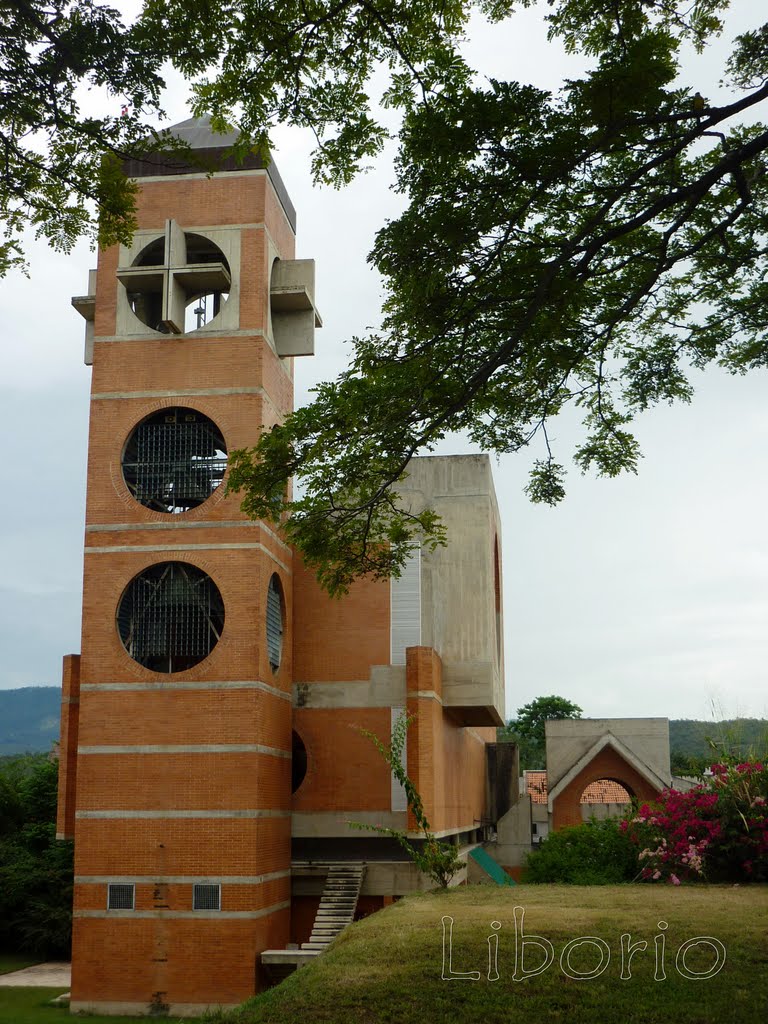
x: 646, y: 595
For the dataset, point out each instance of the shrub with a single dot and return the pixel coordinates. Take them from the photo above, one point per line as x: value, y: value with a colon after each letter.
x: 716, y: 831
x: 439, y: 861
x: 595, y: 853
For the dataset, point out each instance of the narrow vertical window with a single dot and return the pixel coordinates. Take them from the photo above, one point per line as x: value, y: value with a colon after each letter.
x: 275, y: 622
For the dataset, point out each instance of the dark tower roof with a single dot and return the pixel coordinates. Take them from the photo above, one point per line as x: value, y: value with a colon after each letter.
x: 211, y: 150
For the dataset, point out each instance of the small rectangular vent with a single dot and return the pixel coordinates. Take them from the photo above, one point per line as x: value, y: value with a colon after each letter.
x: 120, y: 897
x: 206, y: 897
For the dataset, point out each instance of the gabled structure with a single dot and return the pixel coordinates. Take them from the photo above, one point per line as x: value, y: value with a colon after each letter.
x: 629, y: 755
x: 213, y: 746
x: 631, y: 751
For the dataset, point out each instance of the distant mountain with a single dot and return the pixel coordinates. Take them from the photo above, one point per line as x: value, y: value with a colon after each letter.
x: 29, y: 719
x: 741, y: 735
x: 29, y: 722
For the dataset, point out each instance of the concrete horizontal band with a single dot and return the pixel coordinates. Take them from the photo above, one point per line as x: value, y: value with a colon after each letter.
x: 316, y: 824
x: 384, y: 689
x: 163, y: 814
x: 184, y: 748
x: 255, y: 172
x: 126, y: 1009
x: 235, y: 685
x: 212, y: 334
x: 204, y: 915
x: 180, y: 879
x: 124, y: 549
x: 105, y: 396
x: 427, y: 695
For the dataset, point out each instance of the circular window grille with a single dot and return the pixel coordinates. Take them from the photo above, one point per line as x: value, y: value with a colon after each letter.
x: 174, y: 460
x: 170, y: 617
x: 275, y: 622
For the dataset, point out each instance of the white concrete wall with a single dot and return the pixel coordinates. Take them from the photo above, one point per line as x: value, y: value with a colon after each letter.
x: 458, y: 606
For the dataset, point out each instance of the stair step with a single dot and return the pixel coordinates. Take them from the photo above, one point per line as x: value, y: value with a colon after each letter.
x: 336, y: 910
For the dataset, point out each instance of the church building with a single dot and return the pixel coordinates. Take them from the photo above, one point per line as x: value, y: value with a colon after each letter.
x: 213, y: 745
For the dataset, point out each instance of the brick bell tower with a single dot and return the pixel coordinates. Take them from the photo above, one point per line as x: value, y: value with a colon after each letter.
x: 176, y: 729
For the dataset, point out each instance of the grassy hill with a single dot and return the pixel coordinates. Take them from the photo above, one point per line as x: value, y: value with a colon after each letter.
x: 29, y: 719
x: 388, y: 968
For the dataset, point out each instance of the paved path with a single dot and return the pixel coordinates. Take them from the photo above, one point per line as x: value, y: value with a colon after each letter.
x: 55, y: 975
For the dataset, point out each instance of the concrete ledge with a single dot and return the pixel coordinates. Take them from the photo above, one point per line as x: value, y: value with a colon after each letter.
x: 126, y: 1009
x: 294, y: 957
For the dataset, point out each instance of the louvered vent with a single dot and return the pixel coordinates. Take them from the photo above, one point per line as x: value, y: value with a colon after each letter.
x: 275, y: 622
x: 120, y: 897
x: 405, y: 610
x: 174, y: 460
x: 170, y: 617
x: 206, y: 897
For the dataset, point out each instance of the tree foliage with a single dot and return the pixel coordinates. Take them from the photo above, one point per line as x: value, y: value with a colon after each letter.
x: 528, y: 729
x: 36, y: 869
x: 586, y: 247
x: 250, y: 63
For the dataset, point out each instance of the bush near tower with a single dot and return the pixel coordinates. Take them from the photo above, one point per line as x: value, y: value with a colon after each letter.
x: 717, y: 831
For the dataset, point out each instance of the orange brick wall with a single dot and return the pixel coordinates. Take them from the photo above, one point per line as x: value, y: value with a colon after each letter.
x: 207, y: 961
x: 241, y: 576
x: 199, y: 716
x: 344, y: 770
x: 608, y: 764
x: 226, y: 810
x: 445, y: 760
x: 338, y: 639
x: 70, y: 714
x: 203, y: 848
x: 211, y: 782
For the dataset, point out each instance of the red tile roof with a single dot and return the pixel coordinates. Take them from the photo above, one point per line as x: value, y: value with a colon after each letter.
x: 604, y: 791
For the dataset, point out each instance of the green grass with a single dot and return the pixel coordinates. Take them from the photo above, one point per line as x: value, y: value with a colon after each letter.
x: 33, y: 1006
x: 387, y: 968
x: 11, y: 962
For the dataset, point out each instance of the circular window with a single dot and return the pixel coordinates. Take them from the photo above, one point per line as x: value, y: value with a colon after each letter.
x: 174, y: 460
x: 275, y: 622
x: 170, y: 617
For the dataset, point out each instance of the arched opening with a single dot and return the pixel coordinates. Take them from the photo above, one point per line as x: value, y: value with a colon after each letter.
x: 298, y: 761
x: 605, y: 798
x: 178, y: 283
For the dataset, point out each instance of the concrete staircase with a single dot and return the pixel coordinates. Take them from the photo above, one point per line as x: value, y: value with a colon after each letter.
x: 337, y: 904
